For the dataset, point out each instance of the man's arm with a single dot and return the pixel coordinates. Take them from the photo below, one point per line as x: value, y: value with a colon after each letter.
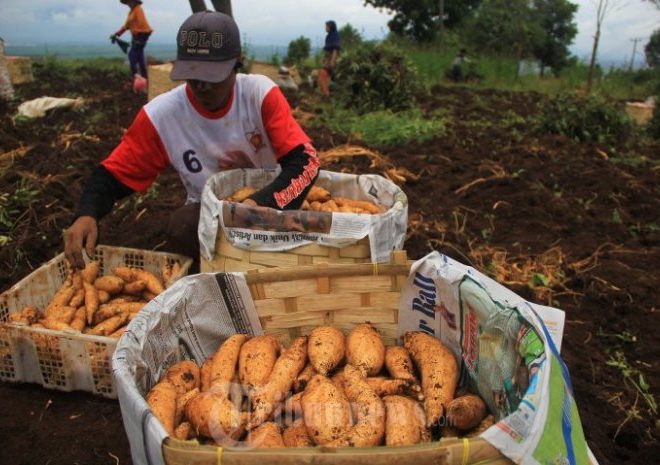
x: 132, y: 166
x: 289, y: 189
x: 295, y: 154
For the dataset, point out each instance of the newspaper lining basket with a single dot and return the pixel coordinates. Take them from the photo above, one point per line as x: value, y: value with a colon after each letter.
x: 61, y: 360
x: 230, y: 258
x: 291, y: 302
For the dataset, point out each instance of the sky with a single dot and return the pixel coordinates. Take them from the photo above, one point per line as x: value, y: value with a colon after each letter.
x: 38, y: 22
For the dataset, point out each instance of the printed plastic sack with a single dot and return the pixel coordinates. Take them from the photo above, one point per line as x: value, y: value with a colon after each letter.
x: 509, y: 350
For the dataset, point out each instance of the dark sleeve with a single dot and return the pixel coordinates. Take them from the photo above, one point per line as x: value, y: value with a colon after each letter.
x: 288, y: 190
x: 100, y: 194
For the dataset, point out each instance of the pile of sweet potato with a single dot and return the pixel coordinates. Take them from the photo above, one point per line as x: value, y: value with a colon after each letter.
x: 326, y: 389
x: 97, y: 305
x: 319, y: 199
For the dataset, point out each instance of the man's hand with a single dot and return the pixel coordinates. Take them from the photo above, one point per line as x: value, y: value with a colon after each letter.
x: 249, y: 202
x: 83, y: 232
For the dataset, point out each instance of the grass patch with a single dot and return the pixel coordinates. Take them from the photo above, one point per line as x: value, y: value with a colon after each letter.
x: 384, y: 128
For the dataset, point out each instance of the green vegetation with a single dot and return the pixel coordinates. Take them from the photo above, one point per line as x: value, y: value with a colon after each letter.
x: 584, y: 118
x: 298, y: 51
x: 383, y: 128
x: 377, y: 77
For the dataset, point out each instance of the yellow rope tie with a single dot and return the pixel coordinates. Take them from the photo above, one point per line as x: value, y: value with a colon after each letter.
x: 466, y: 451
x: 374, y: 268
x: 218, y: 454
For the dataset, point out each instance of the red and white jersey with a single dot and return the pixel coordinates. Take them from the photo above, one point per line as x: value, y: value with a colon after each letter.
x: 254, y: 130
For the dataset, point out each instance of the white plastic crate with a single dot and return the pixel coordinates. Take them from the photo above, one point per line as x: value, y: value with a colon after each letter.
x: 62, y: 360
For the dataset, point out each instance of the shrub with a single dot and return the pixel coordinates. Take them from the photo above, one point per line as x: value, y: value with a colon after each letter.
x: 584, y: 118
x: 374, y: 77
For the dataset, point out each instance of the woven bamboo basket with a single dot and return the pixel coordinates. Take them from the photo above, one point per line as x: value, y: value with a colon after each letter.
x: 66, y: 361
x: 20, y: 69
x: 291, y: 302
x: 159, y: 80
x: 230, y: 258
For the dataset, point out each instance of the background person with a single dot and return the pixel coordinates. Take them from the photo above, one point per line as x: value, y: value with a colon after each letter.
x: 457, y: 71
x: 217, y: 120
x: 137, y: 23
x: 330, y: 55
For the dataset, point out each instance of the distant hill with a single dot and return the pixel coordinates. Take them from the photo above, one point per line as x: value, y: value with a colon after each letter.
x: 162, y: 52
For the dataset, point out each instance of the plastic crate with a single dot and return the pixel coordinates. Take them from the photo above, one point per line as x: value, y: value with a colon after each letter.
x: 63, y: 360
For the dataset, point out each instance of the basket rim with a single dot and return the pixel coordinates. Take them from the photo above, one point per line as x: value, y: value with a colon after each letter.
x: 442, y: 443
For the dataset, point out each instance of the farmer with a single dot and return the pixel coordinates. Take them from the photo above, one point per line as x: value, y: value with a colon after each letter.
x: 330, y: 54
x: 217, y: 120
x: 457, y: 73
x: 137, y: 23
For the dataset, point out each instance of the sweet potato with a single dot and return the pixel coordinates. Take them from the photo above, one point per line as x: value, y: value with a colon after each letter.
x: 387, y: 386
x: 127, y: 274
x: 106, y: 311
x: 110, y: 284
x: 365, y: 349
x: 318, y: 194
x: 103, y: 296
x: 78, y: 322
x: 90, y: 272
x: 287, y: 367
x: 184, y: 375
x: 315, y: 206
x: 78, y: 297
x: 303, y: 378
x: 326, y: 348
x: 296, y: 435
x: 329, y: 206
x: 63, y: 314
x: 466, y: 412
x: 326, y: 411
x: 398, y: 363
x: 256, y: 360
x: 152, y: 282
x: 184, y: 431
x: 148, y: 296
x: 405, y: 422
x: 205, y: 374
x: 362, y: 204
x: 91, y: 301
x: 119, y: 332
x: 162, y: 402
x: 266, y: 435
x: 62, y: 297
x: 181, y: 402
x: 30, y: 314
x: 109, y: 326
x: 439, y: 372
x: 223, y: 364
x: 214, y: 416
x: 369, y: 428
x: 135, y: 287
x: 292, y: 406
x: 241, y: 194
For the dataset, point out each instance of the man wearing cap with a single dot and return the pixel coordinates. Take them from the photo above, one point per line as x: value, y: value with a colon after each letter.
x: 217, y: 120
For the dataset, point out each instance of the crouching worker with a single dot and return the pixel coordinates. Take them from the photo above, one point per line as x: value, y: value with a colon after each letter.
x: 217, y: 120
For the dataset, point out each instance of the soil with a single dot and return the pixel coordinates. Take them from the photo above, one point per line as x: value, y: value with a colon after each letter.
x: 528, y: 209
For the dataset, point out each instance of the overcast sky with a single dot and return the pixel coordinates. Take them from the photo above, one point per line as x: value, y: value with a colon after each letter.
x: 38, y: 22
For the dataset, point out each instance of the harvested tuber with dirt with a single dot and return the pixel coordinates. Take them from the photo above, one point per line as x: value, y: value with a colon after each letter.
x: 439, y: 372
x: 326, y: 411
x: 365, y: 349
x: 466, y: 412
x: 162, y: 402
x: 256, y: 360
x: 405, y: 422
x: 326, y: 348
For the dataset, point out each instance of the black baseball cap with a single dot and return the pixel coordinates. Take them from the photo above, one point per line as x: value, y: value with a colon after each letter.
x: 208, y: 47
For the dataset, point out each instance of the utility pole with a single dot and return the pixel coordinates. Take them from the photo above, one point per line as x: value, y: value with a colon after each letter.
x: 441, y: 7
x: 632, y: 58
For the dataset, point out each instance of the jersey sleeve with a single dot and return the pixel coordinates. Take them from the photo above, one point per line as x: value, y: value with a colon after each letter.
x: 283, y: 130
x: 140, y: 156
